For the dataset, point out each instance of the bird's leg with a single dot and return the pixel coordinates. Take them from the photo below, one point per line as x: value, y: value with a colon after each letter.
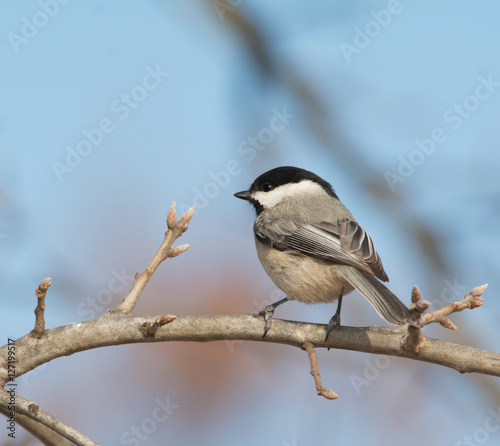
x: 268, y: 313
x: 335, y: 320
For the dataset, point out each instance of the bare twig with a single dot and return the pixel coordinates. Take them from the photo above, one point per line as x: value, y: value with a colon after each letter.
x: 175, y: 230
x: 149, y: 329
x: 320, y: 389
x: 415, y: 340
x: 470, y: 301
x: 46, y: 435
x: 34, y: 412
x: 40, y: 292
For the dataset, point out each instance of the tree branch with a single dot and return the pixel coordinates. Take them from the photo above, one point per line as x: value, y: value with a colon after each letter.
x: 116, y: 329
x: 46, y: 435
x: 415, y: 340
x: 320, y: 389
x: 33, y: 411
x: 175, y: 230
x: 40, y: 292
x: 472, y: 300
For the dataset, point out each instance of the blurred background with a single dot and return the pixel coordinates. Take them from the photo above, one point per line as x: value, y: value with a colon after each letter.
x: 111, y: 110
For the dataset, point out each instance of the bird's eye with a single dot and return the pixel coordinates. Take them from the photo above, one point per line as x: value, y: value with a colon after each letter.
x: 266, y: 187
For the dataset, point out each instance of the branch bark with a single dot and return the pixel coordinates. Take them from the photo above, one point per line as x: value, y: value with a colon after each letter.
x: 116, y: 329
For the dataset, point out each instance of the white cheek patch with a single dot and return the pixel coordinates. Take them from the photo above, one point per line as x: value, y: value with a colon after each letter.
x: 272, y: 198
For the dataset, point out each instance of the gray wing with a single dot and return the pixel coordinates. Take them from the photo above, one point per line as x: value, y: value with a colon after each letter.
x: 345, y: 243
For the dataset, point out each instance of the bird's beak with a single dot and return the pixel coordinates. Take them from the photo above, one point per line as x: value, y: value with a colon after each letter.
x: 244, y: 195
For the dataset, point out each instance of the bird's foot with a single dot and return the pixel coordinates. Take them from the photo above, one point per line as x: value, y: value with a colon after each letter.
x: 334, y: 322
x: 268, y: 313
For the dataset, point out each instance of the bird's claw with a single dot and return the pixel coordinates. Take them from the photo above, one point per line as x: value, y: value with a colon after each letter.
x: 334, y: 322
x: 268, y: 313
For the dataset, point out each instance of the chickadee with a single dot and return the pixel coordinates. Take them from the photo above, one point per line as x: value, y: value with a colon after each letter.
x: 312, y: 247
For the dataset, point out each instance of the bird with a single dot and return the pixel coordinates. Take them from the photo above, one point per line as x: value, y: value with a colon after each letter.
x: 313, y: 249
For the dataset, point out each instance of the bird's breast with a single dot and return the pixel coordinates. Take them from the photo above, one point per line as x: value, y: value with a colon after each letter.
x: 301, y: 277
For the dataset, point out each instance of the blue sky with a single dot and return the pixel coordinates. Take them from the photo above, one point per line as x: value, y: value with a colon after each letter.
x: 177, y: 98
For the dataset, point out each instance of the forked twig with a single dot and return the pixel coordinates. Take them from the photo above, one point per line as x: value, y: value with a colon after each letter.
x: 414, y: 341
x: 175, y: 230
x: 470, y: 301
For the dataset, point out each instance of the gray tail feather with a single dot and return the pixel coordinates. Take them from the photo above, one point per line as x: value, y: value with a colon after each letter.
x: 384, y: 301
